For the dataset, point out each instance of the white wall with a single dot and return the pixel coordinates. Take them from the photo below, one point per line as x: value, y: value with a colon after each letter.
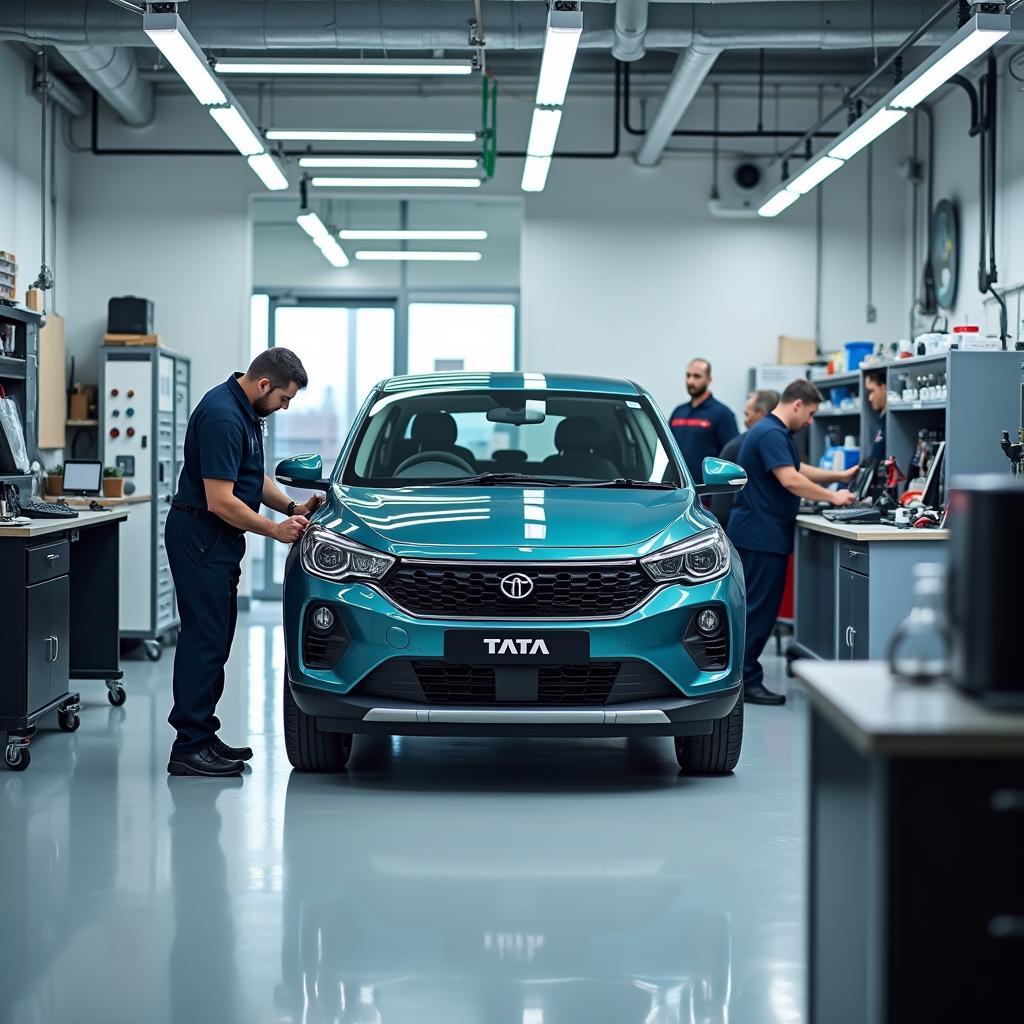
x: 956, y: 178
x: 20, y: 172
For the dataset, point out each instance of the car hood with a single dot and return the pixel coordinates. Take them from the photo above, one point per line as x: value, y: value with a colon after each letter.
x: 513, y: 522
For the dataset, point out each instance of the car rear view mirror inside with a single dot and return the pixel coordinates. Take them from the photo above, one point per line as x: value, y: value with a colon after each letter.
x: 532, y: 411
x: 721, y: 477
x: 305, y: 471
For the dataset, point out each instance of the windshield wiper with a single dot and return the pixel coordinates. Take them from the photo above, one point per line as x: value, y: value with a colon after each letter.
x: 623, y: 482
x: 489, y: 479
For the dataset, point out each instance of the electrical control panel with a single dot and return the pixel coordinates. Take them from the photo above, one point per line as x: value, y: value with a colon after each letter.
x: 127, y: 420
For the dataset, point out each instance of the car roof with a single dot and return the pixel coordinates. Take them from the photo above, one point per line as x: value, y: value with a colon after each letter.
x: 469, y: 381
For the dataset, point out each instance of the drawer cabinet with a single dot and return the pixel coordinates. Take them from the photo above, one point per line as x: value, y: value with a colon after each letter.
x: 853, y: 635
x: 47, y: 614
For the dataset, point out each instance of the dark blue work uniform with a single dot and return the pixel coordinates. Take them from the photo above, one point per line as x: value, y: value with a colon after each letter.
x: 878, y: 441
x: 701, y: 431
x: 224, y: 441
x: 761, y: 527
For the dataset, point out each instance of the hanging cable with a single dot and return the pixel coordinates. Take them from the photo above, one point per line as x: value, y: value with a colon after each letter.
x: 871, y: 313
x: 45, y: 279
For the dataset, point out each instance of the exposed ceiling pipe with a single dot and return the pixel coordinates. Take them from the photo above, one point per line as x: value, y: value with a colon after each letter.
x: 329, y: 25
x: 630, y: 29
x: 691, y: 69
x: 114, y: 74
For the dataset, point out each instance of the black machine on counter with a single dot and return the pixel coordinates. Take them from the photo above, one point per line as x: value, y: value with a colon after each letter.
x: 985, y: 573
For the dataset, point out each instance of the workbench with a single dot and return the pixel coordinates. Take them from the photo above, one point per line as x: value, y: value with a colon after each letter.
x: 916, y: 826
x: 60, y: 620
x: 854, y: 585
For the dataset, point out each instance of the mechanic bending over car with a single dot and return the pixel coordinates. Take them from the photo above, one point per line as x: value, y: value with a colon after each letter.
x: 763, y: 517
x: 222, y: 485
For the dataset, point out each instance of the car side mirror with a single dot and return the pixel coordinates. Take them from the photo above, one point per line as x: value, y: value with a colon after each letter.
x: 305, y: 471
x: 721, y: 477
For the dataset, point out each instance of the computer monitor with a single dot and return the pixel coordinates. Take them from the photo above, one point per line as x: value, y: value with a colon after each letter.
x: 864, y: 481
x: 931, y: 494
x: 83, y: 476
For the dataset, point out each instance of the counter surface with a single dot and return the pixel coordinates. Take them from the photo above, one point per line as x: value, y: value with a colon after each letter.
x: 868, y: 532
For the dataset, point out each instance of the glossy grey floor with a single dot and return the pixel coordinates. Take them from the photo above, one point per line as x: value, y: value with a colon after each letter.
x: 455, y: 881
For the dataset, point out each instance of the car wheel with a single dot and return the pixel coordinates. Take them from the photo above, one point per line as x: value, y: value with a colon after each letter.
x: 718, y: 751
x: 309, y: 749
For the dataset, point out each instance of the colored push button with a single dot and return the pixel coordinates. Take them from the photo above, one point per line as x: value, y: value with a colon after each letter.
x: 115, y: 412
x: 131, y: 393
x: 129, y: 411
x: 114, y: 392
x: 130, y: 431
x: 397, y: 638
x: 114, y: 432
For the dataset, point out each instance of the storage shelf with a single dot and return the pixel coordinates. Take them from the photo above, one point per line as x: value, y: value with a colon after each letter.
x: 836, y: 380
x: 81, y: 423
x: 837, y: 414
x: 916, y: 406
x: 12, y: 368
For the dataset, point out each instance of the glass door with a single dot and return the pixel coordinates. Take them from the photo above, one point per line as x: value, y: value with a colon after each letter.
x: 346, y: 349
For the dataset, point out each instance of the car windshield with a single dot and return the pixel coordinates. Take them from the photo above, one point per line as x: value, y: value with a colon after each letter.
x: 496, y: 437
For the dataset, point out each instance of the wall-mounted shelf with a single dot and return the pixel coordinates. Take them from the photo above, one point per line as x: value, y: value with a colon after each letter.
x: 12, y: 368
x: 82, y: 423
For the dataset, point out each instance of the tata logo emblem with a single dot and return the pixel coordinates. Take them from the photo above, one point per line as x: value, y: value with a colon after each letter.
x: 517, y: 586
x: 521, y: 646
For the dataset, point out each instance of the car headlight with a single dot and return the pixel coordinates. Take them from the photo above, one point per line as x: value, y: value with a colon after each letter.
x: 335, y: 558
x: 697, y: 560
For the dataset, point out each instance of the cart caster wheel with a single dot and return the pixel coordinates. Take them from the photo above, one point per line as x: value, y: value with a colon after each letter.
x: 17, y: 758
x: 68, y: 721
x: 153, y: 649
x: 117, y: 696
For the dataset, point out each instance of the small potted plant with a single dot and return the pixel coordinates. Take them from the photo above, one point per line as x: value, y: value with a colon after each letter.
x: 113, y: 482
x: 55, y: 480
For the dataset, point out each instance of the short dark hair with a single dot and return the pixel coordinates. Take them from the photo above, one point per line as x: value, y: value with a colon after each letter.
x: 801, y: 391
x: 280, y: 366
x: 876, y: 377
x: 766, y: 400
x: 701, y: 359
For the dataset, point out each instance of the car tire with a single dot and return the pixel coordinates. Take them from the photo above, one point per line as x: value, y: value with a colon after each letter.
x: 716, y: 753
x: 309, y: 749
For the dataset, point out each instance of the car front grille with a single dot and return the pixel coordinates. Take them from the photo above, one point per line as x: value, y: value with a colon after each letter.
x: 438, y: 682
x: 474, y: 591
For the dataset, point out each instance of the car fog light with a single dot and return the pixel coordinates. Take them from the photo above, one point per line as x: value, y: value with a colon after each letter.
x: 323, y: 619
x: 709, y: 621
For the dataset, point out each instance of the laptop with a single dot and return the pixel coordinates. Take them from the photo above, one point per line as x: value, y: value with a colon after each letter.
x: 83, y: 477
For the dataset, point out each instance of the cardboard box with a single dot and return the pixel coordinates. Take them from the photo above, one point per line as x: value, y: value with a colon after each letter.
x: 796, y: 351
x: 132, y: 339
x: 79, y: 404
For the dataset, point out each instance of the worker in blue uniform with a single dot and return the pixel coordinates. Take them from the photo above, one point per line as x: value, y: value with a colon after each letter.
x: 703, y: 425
x: 877, y: 392
x: 762, y: 520
x: 222, y: 485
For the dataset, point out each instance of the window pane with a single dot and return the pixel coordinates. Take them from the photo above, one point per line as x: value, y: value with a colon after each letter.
x: 461, y: 336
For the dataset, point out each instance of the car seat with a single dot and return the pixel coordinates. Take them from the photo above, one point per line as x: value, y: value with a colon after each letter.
x: 433, y: 432
x: 576, y: 437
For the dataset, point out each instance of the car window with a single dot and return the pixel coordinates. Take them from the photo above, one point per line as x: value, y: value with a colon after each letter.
x: 418, y: 438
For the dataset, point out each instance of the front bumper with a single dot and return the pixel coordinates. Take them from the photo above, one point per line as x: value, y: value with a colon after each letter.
x: 380, y: 633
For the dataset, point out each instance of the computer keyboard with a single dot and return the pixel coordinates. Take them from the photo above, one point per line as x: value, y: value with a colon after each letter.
x: 853, y: 514
x: 46, y: 510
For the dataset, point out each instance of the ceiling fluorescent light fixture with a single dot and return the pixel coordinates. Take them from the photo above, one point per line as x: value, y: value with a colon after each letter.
x: 864, y: 134
x: 976, y: 37
x: 543, y: 131
x: 333, y: 252
x: 560, y: 43
x: 269, y: 171
x: 235, y: 124
x: 535, y: 173
x: 404, y: 255
x: 312, y: 225
x: 782, y: 200
x: 387, y: 235
x: 315, y: 66
x: 317, y: 135
x: 814, y: 174
x: 435, y: 163
x: 395, y: 182
x: 175, y: 42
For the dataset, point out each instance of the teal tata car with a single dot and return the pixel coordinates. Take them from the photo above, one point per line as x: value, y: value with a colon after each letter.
x: 512, y: 554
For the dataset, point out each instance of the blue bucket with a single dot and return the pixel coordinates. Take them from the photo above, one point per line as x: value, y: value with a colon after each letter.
x: 856, y: 352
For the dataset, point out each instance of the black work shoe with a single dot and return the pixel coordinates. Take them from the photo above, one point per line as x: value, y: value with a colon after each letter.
x: 757, y: 694
x: 231, y: 753
x: 204, y: 762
